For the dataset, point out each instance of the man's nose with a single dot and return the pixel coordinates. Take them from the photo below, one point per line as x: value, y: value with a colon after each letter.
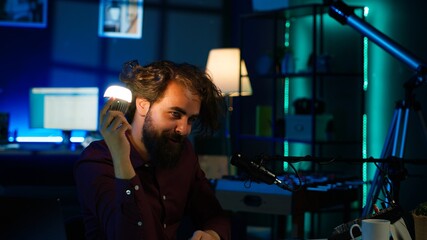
x: 183, y: 128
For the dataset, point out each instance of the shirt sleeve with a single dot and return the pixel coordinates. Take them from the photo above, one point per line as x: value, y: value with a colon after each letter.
x: 205, y: 209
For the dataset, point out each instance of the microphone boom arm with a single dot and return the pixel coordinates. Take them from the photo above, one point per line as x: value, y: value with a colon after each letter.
x: 345, y: 15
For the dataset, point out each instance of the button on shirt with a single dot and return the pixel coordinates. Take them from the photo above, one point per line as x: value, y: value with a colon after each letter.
x: 148, y: 206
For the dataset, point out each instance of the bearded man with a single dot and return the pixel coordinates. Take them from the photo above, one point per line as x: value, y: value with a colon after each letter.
x: 144, y: 177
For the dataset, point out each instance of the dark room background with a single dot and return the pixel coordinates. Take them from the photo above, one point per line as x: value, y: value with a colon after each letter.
x: 69, y: 53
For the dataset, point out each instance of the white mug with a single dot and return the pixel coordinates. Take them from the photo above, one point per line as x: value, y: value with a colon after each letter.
x: 373, y: 229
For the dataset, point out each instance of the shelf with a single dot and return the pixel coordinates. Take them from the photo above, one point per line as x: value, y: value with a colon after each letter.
x: 293, y: 12
x: 283, y: 139
x: 307, y: 74
x: 337, y: 81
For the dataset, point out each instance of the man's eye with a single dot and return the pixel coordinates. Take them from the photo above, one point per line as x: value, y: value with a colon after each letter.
x: 176, y: 114
x: 192, y: 120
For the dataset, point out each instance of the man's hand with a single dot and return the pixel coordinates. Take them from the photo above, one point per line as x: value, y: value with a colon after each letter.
x: 114, y: 127
x: 205, y: 235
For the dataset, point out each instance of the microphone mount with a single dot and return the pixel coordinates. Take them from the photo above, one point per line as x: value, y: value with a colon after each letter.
x: 345, y: 15
x: 256, y: 170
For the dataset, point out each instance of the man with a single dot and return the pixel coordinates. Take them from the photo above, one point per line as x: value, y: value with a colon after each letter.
x: 144, y: 177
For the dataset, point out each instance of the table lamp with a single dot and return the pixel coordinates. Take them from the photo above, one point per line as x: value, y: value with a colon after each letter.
x: 229, y: 73
x: 225, y: 70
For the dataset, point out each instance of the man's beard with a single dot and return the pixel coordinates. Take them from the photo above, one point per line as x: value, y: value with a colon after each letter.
x: 164, y: 149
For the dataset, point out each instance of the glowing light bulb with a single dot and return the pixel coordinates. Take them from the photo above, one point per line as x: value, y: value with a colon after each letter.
x: 122, y: 96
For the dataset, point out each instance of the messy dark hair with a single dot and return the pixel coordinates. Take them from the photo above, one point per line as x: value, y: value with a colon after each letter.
x: 150, y: 82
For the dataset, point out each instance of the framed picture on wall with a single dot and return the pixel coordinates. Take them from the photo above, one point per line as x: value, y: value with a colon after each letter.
x: 23, y: 13
x: 120, y: 18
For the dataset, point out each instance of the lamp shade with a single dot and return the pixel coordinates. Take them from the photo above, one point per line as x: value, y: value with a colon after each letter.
x: 223, y: 67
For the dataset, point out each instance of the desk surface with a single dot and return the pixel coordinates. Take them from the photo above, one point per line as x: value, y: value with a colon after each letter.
x: 22, y: 148
x: 37, y: 166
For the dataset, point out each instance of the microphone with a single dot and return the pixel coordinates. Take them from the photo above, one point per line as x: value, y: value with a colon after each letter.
x: 257, y: 171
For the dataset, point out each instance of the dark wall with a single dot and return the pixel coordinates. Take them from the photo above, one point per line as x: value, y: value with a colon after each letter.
x: 69, y: 52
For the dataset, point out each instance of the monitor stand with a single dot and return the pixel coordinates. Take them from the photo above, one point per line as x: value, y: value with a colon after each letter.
x: 66, y: 141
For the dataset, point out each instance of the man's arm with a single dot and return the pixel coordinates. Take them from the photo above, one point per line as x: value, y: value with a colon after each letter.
x: 205, y: 209
x: 114, y: 128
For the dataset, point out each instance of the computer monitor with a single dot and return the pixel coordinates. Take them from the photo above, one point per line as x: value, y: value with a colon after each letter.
x: 65, y: 109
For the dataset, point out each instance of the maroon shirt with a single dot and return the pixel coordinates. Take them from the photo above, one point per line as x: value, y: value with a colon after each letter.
x: 148, y: 206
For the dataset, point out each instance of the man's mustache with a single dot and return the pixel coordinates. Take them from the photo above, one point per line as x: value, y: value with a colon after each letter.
x: 176, y: 137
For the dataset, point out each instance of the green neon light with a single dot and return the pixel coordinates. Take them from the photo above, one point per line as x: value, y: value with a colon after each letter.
x: 364, y: 155
x: 286, y: 110
x: 365, y: 117
x: 286, y: 83
x: 285, y: 153
x: 365, y: 11
x: 365, y: 64
x: 286, y: 94
x: 364, y: 136
x: 287, y: 27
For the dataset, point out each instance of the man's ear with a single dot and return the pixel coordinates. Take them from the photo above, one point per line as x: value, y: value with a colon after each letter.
x: 142, y: 106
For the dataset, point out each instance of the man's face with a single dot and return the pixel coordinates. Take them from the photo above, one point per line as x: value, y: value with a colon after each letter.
x: 168, y: 123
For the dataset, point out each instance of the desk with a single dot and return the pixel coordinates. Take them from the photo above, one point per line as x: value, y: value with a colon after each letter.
x: 40, y: 173
x: 238, y: 195
x: 37, y: 167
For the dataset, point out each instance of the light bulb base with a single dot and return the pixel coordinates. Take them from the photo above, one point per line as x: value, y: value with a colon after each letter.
x: 120, y: 105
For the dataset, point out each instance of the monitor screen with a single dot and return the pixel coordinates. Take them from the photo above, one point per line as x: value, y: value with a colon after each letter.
x: 64, y: 108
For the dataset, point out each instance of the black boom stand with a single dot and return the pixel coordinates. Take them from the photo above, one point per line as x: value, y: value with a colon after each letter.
x: 395, y: 142
x: 394, y: 147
